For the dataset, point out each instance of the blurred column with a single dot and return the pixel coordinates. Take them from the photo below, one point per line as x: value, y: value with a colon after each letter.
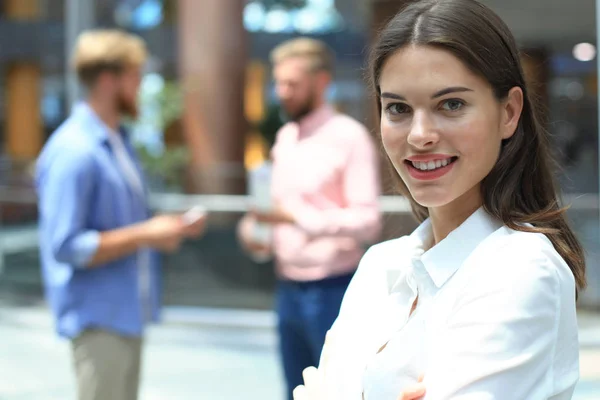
x: 256, y: 148
x: 212, y: 62
x: 79, y: 16
x: 23, y: 92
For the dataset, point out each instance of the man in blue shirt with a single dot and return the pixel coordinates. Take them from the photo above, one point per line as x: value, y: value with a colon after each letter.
x: 98, y: 240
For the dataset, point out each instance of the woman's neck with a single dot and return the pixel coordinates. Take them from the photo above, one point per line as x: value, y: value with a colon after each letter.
x: 447, y: 218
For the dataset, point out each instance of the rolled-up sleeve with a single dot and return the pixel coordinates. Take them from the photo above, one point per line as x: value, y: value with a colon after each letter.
x: 361, y: 217
x: 65, y: 188
x: 499, y: 343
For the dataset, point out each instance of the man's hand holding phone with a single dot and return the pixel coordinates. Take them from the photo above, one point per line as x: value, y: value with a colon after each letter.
x: 194, y: 221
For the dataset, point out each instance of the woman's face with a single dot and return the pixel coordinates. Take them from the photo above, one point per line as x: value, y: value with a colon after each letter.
x: 441, y: 125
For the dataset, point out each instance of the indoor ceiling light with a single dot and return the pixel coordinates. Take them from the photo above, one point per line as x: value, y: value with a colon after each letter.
x: 584, y: 52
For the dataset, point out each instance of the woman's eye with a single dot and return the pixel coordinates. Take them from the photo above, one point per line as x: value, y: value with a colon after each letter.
x: 452, y: 105
x: 397, y: 108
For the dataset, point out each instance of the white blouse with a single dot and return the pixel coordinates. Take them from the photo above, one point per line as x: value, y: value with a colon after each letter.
x: 495, y: 318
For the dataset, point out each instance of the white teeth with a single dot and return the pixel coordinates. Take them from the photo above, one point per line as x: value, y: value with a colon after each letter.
x: 431, y: 165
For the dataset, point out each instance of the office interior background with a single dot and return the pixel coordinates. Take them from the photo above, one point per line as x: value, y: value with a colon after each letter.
x: 209, y: 115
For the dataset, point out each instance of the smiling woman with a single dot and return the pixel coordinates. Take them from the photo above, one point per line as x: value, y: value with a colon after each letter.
x: 480, y: 299
x: 473, y: 77
x: 437, y: 111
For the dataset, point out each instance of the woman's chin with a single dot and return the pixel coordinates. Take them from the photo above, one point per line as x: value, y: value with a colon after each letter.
x: 430, y: 200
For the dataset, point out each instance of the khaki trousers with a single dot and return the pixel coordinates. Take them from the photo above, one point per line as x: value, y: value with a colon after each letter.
x: 107, y: 365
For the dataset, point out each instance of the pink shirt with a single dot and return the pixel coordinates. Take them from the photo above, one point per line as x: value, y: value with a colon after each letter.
x: 326, y: 175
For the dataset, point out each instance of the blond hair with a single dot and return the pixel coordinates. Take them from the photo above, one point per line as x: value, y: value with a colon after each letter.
x: 103, y: 50
x: 318, y: 53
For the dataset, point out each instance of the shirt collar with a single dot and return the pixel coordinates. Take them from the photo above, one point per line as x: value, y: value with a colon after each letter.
x: 98, y: 129
x: 315, y: 119
x: 445, y: 258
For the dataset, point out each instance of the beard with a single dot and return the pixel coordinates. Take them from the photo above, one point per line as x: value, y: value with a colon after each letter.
x: 302, y: 111
x: 127, y: 107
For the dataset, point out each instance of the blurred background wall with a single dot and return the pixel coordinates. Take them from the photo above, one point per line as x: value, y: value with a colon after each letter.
x: 209, y: 113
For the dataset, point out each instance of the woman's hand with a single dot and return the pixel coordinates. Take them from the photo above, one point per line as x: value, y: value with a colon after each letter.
x: 314, y: 378
x: 415, y: 392
x: 313, y: 388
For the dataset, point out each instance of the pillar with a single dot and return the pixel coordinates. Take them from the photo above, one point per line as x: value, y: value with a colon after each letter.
x: 256, y: 148
x: 212, y: 67
x: 24, y: 126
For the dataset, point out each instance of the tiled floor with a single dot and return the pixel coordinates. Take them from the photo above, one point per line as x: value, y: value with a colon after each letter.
x: 180, y: 362
x: 194, y: 355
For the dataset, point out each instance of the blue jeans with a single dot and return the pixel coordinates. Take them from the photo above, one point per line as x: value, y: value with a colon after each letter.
x: 306, y: 311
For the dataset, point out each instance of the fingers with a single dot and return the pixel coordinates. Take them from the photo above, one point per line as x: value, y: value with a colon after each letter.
x: 313, y: 382
x: 196, y: 228
x: 303, y: 392
x: 311, y: 377
x: 414, y: 392
x: 170, y: 247
x: 300, y: 393
x: 254, y: 214
x: 265, y: 217
x: 257, y: 248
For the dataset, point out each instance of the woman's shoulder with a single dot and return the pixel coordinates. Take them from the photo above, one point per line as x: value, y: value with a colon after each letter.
x: 509, y: 256
x: 531, y: 247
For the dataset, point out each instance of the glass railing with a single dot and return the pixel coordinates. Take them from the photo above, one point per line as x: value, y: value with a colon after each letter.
x: 213, y: 271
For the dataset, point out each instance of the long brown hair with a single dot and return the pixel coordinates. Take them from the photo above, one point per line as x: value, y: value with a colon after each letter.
x: 520, y: 188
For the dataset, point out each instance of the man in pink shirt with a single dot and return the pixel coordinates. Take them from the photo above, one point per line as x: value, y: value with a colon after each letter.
x: 325, y: 188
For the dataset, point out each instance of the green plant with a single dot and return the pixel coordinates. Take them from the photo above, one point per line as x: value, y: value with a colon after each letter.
x: 168, y: 167
x: 170, y: 102
x: 160, y: 109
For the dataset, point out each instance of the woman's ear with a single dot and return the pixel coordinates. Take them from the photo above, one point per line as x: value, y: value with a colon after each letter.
x: 512, y: 107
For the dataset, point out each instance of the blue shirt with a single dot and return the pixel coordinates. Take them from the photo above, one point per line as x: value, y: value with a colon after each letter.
x: 83, y: 192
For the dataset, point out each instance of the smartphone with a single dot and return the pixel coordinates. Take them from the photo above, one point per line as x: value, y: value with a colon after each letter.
x: 193, y: 215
